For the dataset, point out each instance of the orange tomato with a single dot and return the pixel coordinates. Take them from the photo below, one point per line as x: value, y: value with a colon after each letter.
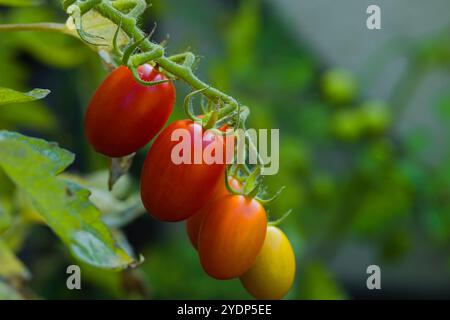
x: 231, y: 235
x: 194, y: 222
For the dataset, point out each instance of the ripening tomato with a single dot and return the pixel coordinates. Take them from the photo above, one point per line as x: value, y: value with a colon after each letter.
x: 173, y: 185
x: 231, y: 235
x: 273, y: 272
x: 124, y: 115
x: 194, y: 222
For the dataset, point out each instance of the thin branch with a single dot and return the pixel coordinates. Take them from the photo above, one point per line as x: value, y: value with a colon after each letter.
x: 41, y: 26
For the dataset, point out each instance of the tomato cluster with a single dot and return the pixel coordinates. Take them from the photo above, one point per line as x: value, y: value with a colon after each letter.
x: 233, y: 240
x: 228, y: 227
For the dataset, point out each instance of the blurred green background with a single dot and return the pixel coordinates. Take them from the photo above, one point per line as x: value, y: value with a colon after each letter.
x: 363, y: 118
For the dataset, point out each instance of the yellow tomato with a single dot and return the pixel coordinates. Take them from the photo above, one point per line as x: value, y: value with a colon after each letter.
x: 273, y: 272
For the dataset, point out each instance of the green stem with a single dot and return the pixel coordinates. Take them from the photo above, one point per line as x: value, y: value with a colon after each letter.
x: 180, y: 71
x: 41, y: 26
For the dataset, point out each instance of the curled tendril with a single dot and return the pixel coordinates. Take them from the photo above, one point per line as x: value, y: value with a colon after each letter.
x: 204, y: 104
x: 227, y: 183
x: 188, y: 106
x: 136, y: 76
x: 273, y: 198
x: 75, y: 12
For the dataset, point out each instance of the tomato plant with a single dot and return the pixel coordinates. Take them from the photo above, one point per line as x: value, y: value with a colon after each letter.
x: 273, y: 272
x: 231, y: 235
x: 223, y: 201
x: 124, y: 115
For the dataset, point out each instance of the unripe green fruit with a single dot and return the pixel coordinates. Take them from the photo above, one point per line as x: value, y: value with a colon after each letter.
x: 346, y: 125
x: 375, y: 116
x: 339, y: 86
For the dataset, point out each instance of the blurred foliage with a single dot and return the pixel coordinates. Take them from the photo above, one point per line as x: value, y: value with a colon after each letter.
x: 349, y: 175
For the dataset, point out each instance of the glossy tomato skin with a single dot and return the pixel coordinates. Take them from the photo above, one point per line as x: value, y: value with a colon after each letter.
x: 124, y: 115
x: 273, y: 272
x: 231, y: 236
x: 174, y: 192
x: 193, y: 223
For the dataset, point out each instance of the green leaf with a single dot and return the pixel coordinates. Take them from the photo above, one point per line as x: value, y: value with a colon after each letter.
x: 32, y: 164
x: 10, y: 266
x: 11, y: 96
x: 118, y: 207
x: 33, y: 115
x: 101, y: 33
x: 19, y: 3
x: 5, y: 216
x: 50, y: 48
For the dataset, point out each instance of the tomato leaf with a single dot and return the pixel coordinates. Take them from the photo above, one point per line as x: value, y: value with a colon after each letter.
x: 54, y: 49
x: 119, y: 207
x: 11, y: 266
x: 5, y: 216
x: 11, y: 96
x: 101, y: 31
x: 33, y: 115
x: 32, y: 164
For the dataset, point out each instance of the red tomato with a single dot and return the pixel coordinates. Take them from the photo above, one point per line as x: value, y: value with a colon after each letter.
x: 174, y: 192
x: 194, y: 222
x: 231, y: 236
x: 124, y: 115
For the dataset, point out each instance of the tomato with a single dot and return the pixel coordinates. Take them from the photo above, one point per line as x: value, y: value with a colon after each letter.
x: 231, y: 235
x: 194, y: 222
x: 339, y: 86
x: 174, y: 192
x: 347, y: 125
x: 273, y: 272
x: 375, y: 116
x: 124, y: 115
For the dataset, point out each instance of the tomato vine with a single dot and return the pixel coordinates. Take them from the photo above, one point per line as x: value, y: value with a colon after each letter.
x: 150, y: 51
x: 244, y: 203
